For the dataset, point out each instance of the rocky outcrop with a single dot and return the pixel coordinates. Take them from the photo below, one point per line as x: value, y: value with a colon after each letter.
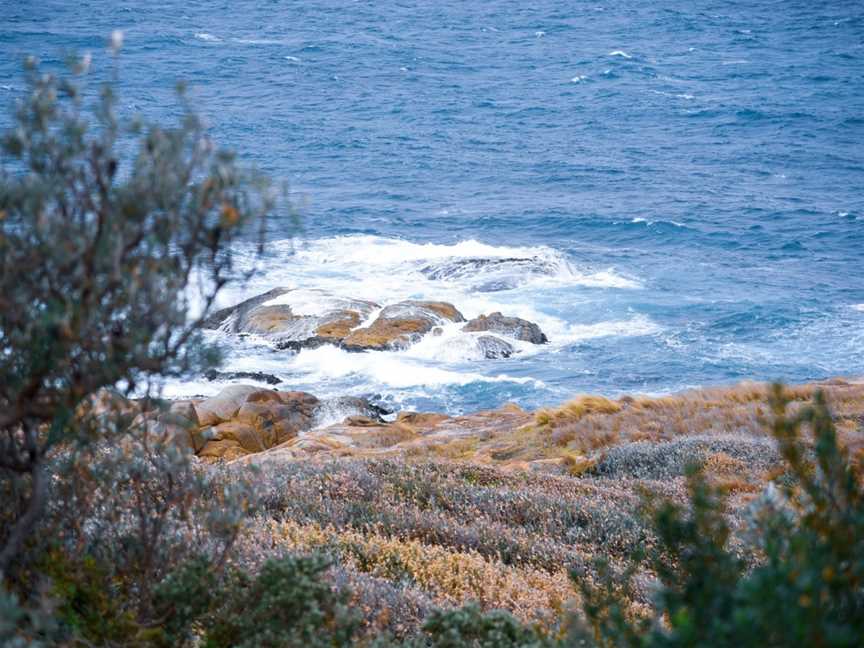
x: 219, y: 317
x: 514, y: 327
x: 400, y: 325
x: 494, y: 348
x: 273, y: 317
x: 286, y: 329
x: 242, y: 419
x: 245, y: 419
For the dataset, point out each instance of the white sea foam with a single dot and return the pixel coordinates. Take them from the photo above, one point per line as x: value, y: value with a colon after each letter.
x: 207, y: 38
x: 329, y: 273
x: 636, y: 326
x: 293, y: 59
x: 620, y: 53
x: 858, y: 307
x: 579, y: 78
x: 387, y: 369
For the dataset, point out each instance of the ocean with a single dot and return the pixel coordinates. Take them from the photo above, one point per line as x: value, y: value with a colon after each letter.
x: 673, y: 191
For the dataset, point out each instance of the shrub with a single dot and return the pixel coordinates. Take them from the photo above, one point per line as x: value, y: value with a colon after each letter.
x: 469, y: 627
x: 288, y: 604
x: 808, y: 590
x: 109, y: 229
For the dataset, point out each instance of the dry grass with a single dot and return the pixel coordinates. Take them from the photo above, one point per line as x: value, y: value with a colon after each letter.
x: 451, y: 577
x: 501, y: 515
x: 590, y: 423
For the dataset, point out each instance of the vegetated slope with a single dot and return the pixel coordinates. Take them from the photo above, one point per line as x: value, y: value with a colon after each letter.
x: 461, y: 510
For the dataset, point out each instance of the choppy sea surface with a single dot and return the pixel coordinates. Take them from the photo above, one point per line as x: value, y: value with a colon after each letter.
x: 687, y: 179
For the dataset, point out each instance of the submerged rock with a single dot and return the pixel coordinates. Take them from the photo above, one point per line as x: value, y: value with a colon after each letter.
x: 514, y: 327
x: 493, y: 274
x: 400, y: 325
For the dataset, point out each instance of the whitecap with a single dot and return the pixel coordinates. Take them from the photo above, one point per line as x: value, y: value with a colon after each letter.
x: 293, y: 59
x: 578, y: 78
x: 207, y: 38
x: 858, y: 307
x: 653, y: 222
x: 636, y: 326
x: 258, y: 41
x: 620, y: 53
x: 539, y: 34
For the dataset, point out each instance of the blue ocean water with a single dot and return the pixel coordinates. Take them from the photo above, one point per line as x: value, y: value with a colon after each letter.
x: 688, y: 176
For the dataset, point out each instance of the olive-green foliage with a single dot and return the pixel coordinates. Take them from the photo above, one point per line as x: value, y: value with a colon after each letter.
x: 287, y: 604
x: 185, y: 596
x: 469, y: 627
x: 807, y: 588
x: 88, y: 605
x: 111, y: 229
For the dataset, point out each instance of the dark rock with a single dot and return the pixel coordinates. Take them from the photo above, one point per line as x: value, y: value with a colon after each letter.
x: 495, y: 273
x: 514, y: 327
x: 258, y: 376
x: 336, y: 410
x: 494, y: 348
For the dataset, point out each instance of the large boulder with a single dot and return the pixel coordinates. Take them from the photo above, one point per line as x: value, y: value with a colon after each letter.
x: 224, y: 405
x: 514, y: 327
x: 400, y: 325
x: 243, y: 419
x: 294, y: 319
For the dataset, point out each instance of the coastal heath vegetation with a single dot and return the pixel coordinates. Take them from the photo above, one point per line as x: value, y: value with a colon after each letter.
x: 115, y: 238
x: 112, y: 533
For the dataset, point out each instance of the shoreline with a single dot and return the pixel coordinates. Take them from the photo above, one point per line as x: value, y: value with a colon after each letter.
x: 248, y: 423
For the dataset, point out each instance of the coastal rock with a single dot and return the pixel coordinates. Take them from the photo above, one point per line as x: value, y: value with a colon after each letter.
x: 224, y: 405
x: 400, y: 325
x: 514, y: 327
x: 494, y: 348
x: 242, y: 419
x: 274, y: 315
x: 218, y: 318
x: 257, y: 376
x: 340, y: 408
